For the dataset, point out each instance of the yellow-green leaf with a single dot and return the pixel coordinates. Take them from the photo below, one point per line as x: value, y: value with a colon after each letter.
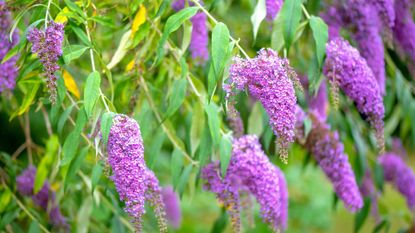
x: 139, y: 19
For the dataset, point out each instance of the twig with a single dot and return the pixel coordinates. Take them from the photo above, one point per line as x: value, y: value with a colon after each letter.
x: 307, y: 15
x: 47, y: 121
x: 47, y: 13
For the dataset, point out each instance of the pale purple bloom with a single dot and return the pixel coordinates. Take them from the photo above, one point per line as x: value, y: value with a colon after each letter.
x: 400, y: 175
x: 48, y: 46
x: 172, y: 204
x: 272, y: 7
x: 249, y: 171
x: 404, y: 30
x: 134, y: 182
x: 333, y: 18
x: 345, y: 66
x: 269, y: 79
x: 328, y: 151
x: 8, y: 69
x: 386, y: 14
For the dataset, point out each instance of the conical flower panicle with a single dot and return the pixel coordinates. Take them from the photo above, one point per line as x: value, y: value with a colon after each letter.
x: 272, y: 7
x: 386, y: 13
x: 250, y: 171
x: 270, y: 79
x: 345, y: 65
x: 404, y: 29
x: 172, y: 204
x: 134, y: 182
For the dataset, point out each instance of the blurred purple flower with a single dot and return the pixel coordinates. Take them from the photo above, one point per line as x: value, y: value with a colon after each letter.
x: 8, y: 70
x: 135, y: 183
x: 345, y: 66
x: 269, y: 79
x: 272, y: 7
x: 332, y: 17
x: 386, y: 13
x: 172, y: 204
x: 250, y: 171
x: 328, y: 151
x: 404, y: 30
x: 400, y: 175
x: 48, y: 46
x: 319, y: 103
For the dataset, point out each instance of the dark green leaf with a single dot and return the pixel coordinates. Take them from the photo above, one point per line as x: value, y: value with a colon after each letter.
x: 64, y: 117
x: 291, y: 15
x: 320, y: 34
x: 378, y: 176
x: 183, y: 179
x: 75, y: 166
x: 106, y: 123
x: 362, y: 215
x: 70, y: 146
x: 91, y: 92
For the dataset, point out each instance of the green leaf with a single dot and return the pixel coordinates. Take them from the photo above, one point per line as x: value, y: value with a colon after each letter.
x: 29, y: 97
x: 75, y: 166
x: 172, y: 24
x: 73, y: 52
x: 34, y: 227
x: 205, y: 148
x: 290, y: 16
x: 106, y: 123
x: 72, y: 5
x: 82, y: 219
x: 378, y: 176
x: 122, y: 49
x: 277, y: 36
x: 64, y: 117
x: 213, y: 122
x: 255, y: 124
x: 308, y: 124
x: 81, y: 35
x: 45, y: 165
x: 183, y: 179
x: 176, y: 166
x: 96, y: 175
x: 71, y: 144
x: 91, y: 92
x: 176, y: 98
x: 380, y: 226
x: 5, y: 198
x: 362, y: 215
x: 258, y: 16
x: 220, y: 44
x: 225, y: 154
x: 154, y: 150
x: 198, y: 123
x: 320, y: 34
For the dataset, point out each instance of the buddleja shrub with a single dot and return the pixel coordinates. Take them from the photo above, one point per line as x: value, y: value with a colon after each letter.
x: 192, y: 116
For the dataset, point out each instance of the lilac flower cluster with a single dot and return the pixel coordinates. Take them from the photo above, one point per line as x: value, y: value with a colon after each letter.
x: 235, y: 121
x: 319, y: 103
x: 269, y: 79
x: 345, y: 65
x: 172, y: 203
x: 8, y: 69
x: 200, y: 39
x: 48, y: 46
x: 404, y: 30
x: 328, y: 151
x: 45, y: 198
x: 134, y: 182
x: 386, y: 13
x: 250, y: 171
x: 400, y: 175
x: 272, y: 7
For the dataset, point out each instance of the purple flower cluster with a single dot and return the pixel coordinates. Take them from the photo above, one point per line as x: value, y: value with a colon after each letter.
x: 367, y: 188
x: 251, y: 172
x: 45, y: 198
x: 319, y: 103
x: 272, y: 7
x: 200, y: 39
x: 48, y: 46
x: 334, y: 20
x: 404, y: 30
x: 328, y: 151
x: 172, y: 203
x: 135, y: 183
x: 386, y: 13
x: 345, y: 66
x: 269, y: 79
x: 8, y: 69
x: 400, y: 175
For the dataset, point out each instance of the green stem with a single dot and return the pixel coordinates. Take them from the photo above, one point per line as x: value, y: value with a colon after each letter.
x: 47, y: 14
x: 307, y: 15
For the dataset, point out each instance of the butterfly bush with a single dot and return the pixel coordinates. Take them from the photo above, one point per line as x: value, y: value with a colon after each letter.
x: 319, y: 103
x: 47, y: 45
x: 8, y: 69
x: 404, y: 30
x: 199, y: 39
x: 386, y: 13
x: 45, y: 198
x: 344, y: 66
x: 332, y: 17
x: 250, y: 171
x: 272, y: 7
x: 328, y: 151
x: 400, y: 175
x: 135, y: 183
x: 172, y: 203
x: 269, y: 79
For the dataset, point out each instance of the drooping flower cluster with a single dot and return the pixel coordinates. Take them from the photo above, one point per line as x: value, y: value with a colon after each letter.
x: 135, y: 183
x: 319, y: 103
x: 386, y: 13
x: 400, y: 175
x: 172, y: 204
x: 269, y: 79
x: 332, y: 16
x: 8, y: 69
x: 404, y: 30
x: 251, y: 172
x: 48, y: 46
x: 199, y: 39
x: 328, y: 151
x: 345, y: 66
x: 272, y: 7
x: 45, y: 198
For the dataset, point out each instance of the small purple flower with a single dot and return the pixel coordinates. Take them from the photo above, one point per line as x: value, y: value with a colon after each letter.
x: 134, y: 182
x: 328, y: 151
x: 269, y: 79
x: 400, y: 175
x: 272, y: 7
x: 404, y: 30
x: 345, y: 66
x: 8, y: 69
x: 172, y: 204
x: 48, y: 46
x: 250, y: 171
